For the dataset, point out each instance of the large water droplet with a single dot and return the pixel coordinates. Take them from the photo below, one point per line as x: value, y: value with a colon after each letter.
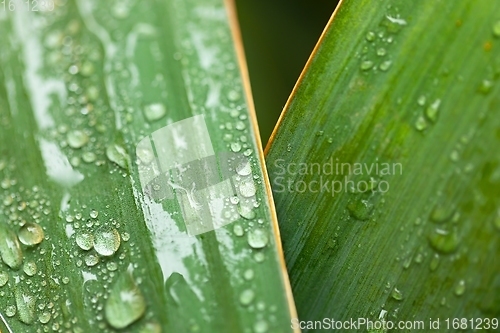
x: 258, y: 238
x: 10, y: 249
x: 30, y: 234
x: 125, y: 303
x: 106, y: 241
x: 444, y: 241
x: 77, y: 139
x: 154, y: 112
x: 118, y: 155
x: 246, y: 297
x: 25, y: 306
x: 44, y: 317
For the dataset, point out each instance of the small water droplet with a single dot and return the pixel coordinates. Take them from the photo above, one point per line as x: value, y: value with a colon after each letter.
x: 233, y: 95
x: 85, y: 241
x: 258, y: 238
x: 370, y: 36
x: 4, y: 278
x: 397, y: 294
x: 44, y: 318
x: 106, y: 241
x: 30, y: 268
x: 454, y: 156
x: 434, y: 262
x: 11, y: 311
x: 91, y: 260
x: 235, y: 147
x: 421, y: 100
x: 421, y: 124
x: 432, y: 110
x: 259, y: 257
x: 125, y: 304
x: 77, y: 139
x: 485, y: 86
x: 10, y: 249
x: 249, y: 274
x: 442, y: 212
x: 238, y: 230
x: 260, y: 326
x: 30, y: 234
x: 89, y: 157
x: 111, y: 266
x: 154, y: 112
x: 360, y: 209
x: 94, y: 213
x: 381, y: 52
x: 240, y: 125
x: 366, y: 65
x: 460, y: 288
x: 246, y: 297
x: 246, y: 212
x: 384, y: 66
x: 496, y: 29
x: 444, y: 241
x: 118, y: 155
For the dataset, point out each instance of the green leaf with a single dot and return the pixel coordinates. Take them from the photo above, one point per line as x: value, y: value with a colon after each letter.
x: 385, y: 165
x: 84, y: 89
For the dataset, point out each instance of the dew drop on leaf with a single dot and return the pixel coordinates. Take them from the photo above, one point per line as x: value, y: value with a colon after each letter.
x: 106, y: 241
x: 30, y: 234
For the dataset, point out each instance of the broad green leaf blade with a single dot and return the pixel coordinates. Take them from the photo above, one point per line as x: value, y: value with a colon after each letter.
x: 385, y: 166
x: 97, y: 210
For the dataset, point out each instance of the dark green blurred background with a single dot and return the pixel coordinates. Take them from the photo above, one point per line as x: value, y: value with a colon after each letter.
x: 278, y: 37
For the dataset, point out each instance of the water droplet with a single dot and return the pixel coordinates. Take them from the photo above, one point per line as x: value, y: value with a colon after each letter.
x: 370, y: 36
x: 44, y: 318
x: 259, y: 257
x: 258, y: 238
x: 384, y: 66
x: 442, y: 212
x: 366, y: 65
x: 106, y: 241
x: 89, y: 157
x: 246, y: 212
x: 432, y: 110
x: 260, y: 327
x: 233, y: 95
x: 421, y: 100
x: 85, y: 241
x: 25, y: 306
x: 30, y: 268
x: 460, y: 288
x: 111, y: 266
x: 397, y: 294
x: 91, y: 260
x: 485, y: 86
x: 154, y: 328
x: 434, y: 262
x: 381, y: 52
x: 11, y: 311
x: 235, y: 147
x: 125, y: 304
x: 94, y: 213
x: 125, y: 236
x: 240, y: 125
x: 238, y: 230
x: 246, y: 297
x: 118, y: 155
x: 30, y: 234
x: 4, y: 278
x: 454, y: 156
x: 77, y: 139
x: 10, y: 249
x: 360, y: 209
x: 154, y: 112
x: 247, y: 189
x: 244, y: 169
x: 249, y: 274
x: 444, y: 241
x: 421, y: 124
x: 496, y: 29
